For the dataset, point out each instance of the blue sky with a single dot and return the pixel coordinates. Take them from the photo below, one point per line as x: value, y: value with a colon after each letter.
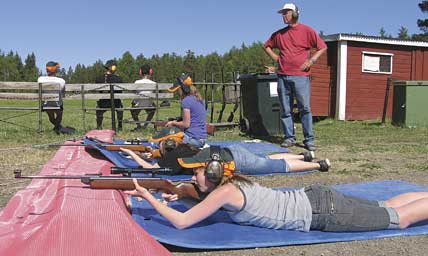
x: 83, y: 31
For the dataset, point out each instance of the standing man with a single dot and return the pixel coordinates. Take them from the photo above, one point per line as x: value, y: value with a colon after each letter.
x: 145, y: 72
x: 109, y: 77
x: 294, y: 43
x: 56, y: 111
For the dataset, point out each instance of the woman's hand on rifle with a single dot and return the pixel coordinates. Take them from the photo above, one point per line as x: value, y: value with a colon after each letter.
x: 170, y: 123
x: 138, y: 191
x: 127, y: 151
x: 169, y: 197
x: 146, y: 155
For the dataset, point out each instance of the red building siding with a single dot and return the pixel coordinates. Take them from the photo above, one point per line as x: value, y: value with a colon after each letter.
x: 323, y: 83
x: 365, y: 92
x: 419, y: 65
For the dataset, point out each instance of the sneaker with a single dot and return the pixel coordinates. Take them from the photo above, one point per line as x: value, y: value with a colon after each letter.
x: 324, y: 165
x: 308, y: 156
x: 288, y: 143
x: 310, y: 147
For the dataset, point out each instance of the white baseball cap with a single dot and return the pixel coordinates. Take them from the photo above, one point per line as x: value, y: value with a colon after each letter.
x: 288, y: 6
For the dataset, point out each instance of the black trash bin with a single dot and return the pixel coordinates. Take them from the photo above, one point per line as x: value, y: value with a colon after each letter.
x: 260, y: 105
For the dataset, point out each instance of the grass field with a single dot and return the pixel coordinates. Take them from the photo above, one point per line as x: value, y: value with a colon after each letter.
x: 359, y: 151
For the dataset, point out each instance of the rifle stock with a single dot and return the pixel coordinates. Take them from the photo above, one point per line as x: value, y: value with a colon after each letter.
x: 117, y: 147
x: 182, y: 189
x: 96, y: 181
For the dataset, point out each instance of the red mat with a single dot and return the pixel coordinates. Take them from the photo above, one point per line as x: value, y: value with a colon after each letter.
x: 65, y: 217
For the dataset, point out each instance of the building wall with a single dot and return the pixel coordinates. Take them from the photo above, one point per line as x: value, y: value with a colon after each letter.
x: 323, y: 83
x: 419, y: 64
x: 365, y: 93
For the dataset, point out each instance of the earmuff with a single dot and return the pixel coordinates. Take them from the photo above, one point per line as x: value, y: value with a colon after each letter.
x: 214, y: 170
x: 52, y: 69
x: 185, y: 81
x: 295, y: 14
x: 170, y: 144
x: 186, y: 89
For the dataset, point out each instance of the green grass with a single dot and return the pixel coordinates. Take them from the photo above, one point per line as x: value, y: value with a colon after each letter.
x: 24, y: 131
x: 355, y: 136
x: 358, y: 150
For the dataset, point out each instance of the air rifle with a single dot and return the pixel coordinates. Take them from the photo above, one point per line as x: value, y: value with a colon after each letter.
x: 110, y: 147
x: 98, y: 181
x: 131, y: 144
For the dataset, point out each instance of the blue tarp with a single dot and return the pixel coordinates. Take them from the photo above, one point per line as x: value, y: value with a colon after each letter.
x: 219, y: 232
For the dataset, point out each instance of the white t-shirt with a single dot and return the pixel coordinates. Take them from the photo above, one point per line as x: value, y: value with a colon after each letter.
x: 52, y: 79
x: 144, y: 81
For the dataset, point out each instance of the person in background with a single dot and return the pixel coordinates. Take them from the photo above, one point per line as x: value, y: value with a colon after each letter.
x: 171, y: 147
x: 294, y: 43
x: 193, y: 112
x: 109, y: 77
x: 145, y: 72
x: 56, y: 112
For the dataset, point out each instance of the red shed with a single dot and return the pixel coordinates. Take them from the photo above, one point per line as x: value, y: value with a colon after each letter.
x: 349, y: 82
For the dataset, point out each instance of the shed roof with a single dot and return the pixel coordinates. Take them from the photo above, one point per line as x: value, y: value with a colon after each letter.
x: 374, y: 39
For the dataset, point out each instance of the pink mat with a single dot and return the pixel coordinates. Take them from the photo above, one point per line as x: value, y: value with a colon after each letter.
x: 65, y: 217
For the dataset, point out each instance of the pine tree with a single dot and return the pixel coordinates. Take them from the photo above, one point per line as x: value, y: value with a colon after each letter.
x: 30, y: 70
x: 403, y: 33
x: 189, y: 63
x: 127, y: 68
x: 382, y: 33
x: 422, y: 23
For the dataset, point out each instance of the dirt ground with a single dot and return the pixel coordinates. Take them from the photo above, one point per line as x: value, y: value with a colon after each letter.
x: 348, y: 167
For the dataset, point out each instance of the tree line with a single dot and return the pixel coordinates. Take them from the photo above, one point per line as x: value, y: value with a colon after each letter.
x: 210, y: 67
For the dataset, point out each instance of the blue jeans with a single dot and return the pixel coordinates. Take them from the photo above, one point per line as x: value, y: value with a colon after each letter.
x: 251, y: 164
x: 299, y: 87
x: 192, y: 141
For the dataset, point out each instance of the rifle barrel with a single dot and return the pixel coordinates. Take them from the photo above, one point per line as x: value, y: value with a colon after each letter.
x: 153, y: 171
x: 18, y: 175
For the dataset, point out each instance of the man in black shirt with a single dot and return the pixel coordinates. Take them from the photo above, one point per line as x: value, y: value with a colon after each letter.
x: 109, y: 77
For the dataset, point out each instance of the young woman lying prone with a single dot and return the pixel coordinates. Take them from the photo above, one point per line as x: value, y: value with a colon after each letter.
x: 315, y: 207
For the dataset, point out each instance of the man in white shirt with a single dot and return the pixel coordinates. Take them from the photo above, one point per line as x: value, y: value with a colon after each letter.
x: 145, y: 73
x: 54, y: 114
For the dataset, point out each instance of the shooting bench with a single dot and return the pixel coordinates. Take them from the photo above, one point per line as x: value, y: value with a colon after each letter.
x: 51, y: 92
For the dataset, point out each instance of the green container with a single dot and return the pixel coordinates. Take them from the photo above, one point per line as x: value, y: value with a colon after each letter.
x: 410, y: 105
x: 260, y: 105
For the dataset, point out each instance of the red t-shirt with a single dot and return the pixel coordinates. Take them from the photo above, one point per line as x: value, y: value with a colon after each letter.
x: 294, y: 44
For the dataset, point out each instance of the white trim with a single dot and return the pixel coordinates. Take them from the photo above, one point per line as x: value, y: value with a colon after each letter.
x: 342, y: 69
x: 373, y: 39
x: 376, y: 53
x: 379, y: 53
